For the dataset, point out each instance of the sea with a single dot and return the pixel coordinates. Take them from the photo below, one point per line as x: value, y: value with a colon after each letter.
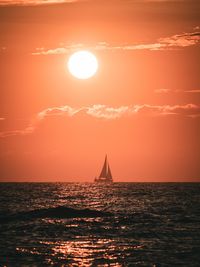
x: 88, y: 224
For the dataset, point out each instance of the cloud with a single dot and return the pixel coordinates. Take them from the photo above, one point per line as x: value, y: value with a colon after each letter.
x: 34, y: 2
x: 28, y: 130
x: 34, y: 123
x: 166, y: 90
x: 182, y: 110
x: 162, y: 91
x: 56, y: 51
x: 194, y: 116
x: 57, y: 111
x: 102, y: 111
x: 193, y: 91
x: 161, y: 1
x: 181, y: 40
x: 48, y: 2
x: 2, y: 119
x: 108, y: 113
x: 166, y: 43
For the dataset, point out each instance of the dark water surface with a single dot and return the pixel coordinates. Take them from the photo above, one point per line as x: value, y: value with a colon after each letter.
x: 152, y: 224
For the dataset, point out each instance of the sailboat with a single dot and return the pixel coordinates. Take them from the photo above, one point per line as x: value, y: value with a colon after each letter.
x: 105, y: 175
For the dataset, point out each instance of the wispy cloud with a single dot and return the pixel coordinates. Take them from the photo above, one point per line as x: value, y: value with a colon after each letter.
x: 104, y: 112
x: 108, y: 113
x: 167, y: 90
x: 33, y: 2
x: 162, y: 91
x: 28, y: 130
x: 166, y: 43
x: 2, y: 119
x: 163, y: 110
x: 160, y: 1
x: 47, y: 2
x: 192, y: 91
x: 181, y: 40
x: 57, y: 111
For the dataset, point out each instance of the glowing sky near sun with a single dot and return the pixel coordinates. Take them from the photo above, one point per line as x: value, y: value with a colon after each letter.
x: 141, y: 106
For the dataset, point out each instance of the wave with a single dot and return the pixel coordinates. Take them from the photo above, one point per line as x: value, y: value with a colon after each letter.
x: 60, y: 212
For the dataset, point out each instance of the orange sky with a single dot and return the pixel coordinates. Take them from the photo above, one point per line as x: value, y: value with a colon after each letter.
x: 142, y: 107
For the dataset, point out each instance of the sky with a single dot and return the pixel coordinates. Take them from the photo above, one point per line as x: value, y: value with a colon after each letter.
x: 142, y: 108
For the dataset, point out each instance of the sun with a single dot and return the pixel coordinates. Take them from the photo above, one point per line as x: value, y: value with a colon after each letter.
x: 82, y: 64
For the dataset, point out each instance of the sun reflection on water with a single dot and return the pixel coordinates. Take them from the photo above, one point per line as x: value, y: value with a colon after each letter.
x: 101, y: 252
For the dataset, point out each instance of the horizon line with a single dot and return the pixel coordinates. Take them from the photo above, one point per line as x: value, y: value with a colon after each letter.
x: 91, y: 182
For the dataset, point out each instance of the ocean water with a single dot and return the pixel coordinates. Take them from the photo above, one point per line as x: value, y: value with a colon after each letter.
x: 140, y: 224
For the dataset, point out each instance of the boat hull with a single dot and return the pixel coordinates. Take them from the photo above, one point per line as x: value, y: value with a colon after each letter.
x: 103, y: 180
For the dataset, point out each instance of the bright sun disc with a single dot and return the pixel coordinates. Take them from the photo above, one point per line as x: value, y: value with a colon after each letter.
x: 82, y: 64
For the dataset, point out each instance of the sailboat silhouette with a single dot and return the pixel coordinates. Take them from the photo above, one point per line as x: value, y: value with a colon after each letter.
x: 105, y: 175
